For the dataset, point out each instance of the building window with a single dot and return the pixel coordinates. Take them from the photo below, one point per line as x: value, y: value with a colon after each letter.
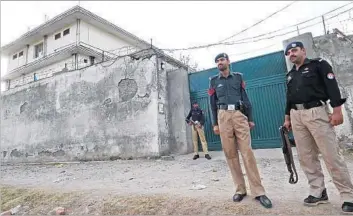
x: 38, y: 50
x: 57, y: 36
x: 85, y: 61
x: 14, y: 57
x: 35, y: 78
x: 91, y: 60
x: 66, y: 32
x: 20, y: 54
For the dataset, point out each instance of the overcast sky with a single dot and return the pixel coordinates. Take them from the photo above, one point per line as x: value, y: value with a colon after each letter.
x: 185, y: 24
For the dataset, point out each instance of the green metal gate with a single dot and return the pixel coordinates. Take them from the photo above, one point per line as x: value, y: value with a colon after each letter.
x: 265, y: 85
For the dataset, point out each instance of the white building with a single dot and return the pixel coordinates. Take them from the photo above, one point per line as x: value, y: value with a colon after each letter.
x: 70, y: 41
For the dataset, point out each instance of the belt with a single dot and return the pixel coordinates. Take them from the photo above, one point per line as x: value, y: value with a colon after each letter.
x: 308, y: 105
x: 228, y: 107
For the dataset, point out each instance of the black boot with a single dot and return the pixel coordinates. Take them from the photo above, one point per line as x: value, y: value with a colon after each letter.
x: 195, y: 157
x: 314, y: 201
x: 347, y: 208
x: 264, y: 201
x: 238, y: 197
x: 207, y: 156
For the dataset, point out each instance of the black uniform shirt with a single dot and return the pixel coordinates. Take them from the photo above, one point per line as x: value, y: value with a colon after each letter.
x: 228, y: 90
x: 313, y: 81
x: 196, y: 115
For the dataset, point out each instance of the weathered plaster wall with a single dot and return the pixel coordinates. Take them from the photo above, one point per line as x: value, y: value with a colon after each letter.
x: 101, y: 112
x: 179, y: 106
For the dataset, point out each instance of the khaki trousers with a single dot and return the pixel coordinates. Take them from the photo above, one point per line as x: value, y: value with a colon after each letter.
x: 233, y: 125
x: 196, y: 131
x: 314, y: 134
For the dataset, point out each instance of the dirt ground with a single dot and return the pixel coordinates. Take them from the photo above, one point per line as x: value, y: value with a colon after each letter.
x: 177, y: 186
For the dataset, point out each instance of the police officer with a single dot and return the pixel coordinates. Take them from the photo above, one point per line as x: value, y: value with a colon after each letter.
x: 232, y: 119
x: 197, y: 123
x: 310, y: 83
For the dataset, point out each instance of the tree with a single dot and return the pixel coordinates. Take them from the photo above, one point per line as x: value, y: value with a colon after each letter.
x: 186, y: 59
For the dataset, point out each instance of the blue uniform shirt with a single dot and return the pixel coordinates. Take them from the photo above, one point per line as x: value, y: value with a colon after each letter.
x: 228, y: 90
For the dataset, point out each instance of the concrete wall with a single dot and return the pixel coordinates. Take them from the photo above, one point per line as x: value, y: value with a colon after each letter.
x: 42, y: 73
x: 339, y: 53
x: 179, y: 106
x: 100, y: 112
x: 112, y: 110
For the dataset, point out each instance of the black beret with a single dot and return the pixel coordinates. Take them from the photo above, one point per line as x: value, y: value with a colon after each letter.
x: 221, y: 55
x: 293, y: 45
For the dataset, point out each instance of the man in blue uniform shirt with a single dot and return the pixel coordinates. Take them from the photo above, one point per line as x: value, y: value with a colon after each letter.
x: 197, y: 127
x: 232, y: 118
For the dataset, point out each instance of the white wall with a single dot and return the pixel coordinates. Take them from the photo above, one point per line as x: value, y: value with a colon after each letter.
x: 99, y: 38
x: 18, y: 61
x: 70, y: 38
x: 89, y: 34
x: 43, y: 72
x: 52, y: 44
x: 49, y: 70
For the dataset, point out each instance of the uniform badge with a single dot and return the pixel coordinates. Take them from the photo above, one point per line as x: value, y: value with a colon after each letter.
x: 289, y: 79
x: 294, y: 45
x: 220, y: 85
x: 330, y: 76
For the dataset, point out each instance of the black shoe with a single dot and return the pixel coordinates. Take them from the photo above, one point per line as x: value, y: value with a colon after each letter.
x: 238, y: 197
x: 265, y: 201
x: 207, y: 156
x: 347, y: 208
x: 314, y: 201
x: 195, y: 157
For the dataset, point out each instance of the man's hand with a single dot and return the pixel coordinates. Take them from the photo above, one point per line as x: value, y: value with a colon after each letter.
x: 287, y: 125
x: 251, y: 125
x: 216, y: 129
x: 199, y: 125
x: 190, y: 123
x: 336, y: 118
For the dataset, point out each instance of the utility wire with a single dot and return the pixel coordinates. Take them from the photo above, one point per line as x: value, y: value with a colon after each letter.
x: 276, y: 12
x: 287, y: 27
x: 241, y: 41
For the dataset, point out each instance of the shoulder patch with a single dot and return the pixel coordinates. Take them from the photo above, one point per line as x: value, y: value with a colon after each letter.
x: 330, y: 76
x: 211, y: 91
x: 237, y: 73
x: 318, y: 59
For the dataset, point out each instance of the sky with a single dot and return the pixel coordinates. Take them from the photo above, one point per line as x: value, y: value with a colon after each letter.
x: 173, y: 24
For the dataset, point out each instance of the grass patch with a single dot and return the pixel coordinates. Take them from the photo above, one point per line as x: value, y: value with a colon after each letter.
x: 37, y: 201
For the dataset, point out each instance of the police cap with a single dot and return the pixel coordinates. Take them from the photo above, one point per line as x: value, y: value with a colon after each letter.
x: 293, y: 45
x: 221, y: 55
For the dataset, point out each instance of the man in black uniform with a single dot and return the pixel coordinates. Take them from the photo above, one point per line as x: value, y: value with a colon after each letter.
x: 232, y: 119
x: 310, y: 83
x: 198, y: 120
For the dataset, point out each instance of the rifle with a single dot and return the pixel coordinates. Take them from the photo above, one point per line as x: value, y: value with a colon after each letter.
x: 288, y: 155
x: 194, y: 123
